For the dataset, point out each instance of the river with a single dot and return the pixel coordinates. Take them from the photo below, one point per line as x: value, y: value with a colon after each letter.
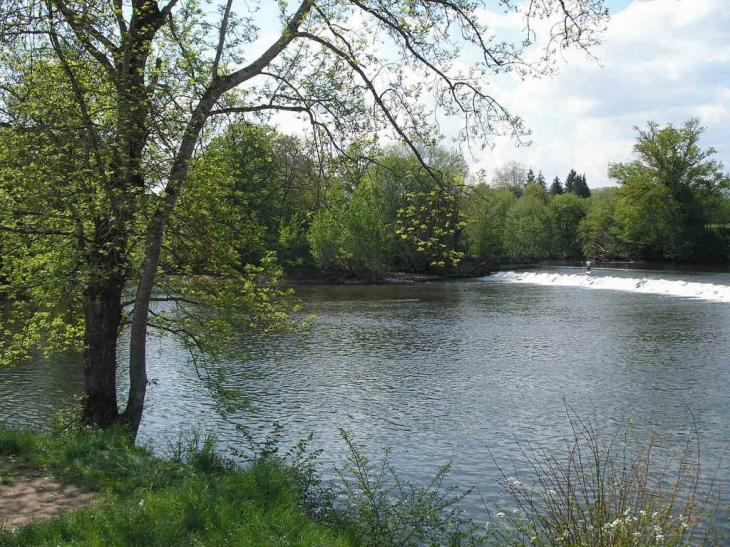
x: 457, y: 371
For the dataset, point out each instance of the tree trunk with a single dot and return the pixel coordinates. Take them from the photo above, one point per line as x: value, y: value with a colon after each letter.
x: 103, y: 317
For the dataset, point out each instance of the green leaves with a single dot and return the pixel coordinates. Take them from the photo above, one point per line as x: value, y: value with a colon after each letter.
x: 669, y: 194
x: 430, y: 223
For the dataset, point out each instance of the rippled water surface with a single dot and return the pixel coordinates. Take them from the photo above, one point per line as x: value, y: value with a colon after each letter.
x: 453, y: 370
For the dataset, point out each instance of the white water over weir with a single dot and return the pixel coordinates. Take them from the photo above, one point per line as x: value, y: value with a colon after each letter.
x: 678, y: 288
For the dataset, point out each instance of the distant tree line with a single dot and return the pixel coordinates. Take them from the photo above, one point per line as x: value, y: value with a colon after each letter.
x: 390, y: 213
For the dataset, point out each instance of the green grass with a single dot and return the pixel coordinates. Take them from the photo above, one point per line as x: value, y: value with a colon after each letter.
x: 596, y: 495
x: 197, y: 500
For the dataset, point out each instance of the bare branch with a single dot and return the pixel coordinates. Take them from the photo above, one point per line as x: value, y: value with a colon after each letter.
x: 258, y: 108
x: 255, y: 68
x: 376, y: 97
x: 221, y: 38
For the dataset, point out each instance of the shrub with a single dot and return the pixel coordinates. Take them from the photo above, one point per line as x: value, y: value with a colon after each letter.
x: 607, y: 496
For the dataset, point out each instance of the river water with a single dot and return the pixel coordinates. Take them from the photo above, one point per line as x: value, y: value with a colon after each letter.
x: 457, y: 371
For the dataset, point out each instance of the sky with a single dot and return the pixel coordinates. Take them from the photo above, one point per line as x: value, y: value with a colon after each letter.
x: 661, y: 60
x: 664, y: 61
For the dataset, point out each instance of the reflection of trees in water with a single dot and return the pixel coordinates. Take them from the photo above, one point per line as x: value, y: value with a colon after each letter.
x: 32, y: 391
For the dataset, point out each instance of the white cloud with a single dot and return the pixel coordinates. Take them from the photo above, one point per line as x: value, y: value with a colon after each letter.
x: 661, y: 60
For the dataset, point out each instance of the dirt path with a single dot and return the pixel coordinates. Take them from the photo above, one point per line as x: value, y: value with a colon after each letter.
x: 29, y: 495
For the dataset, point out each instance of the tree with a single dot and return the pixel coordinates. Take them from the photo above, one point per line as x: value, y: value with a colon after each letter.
x: 535, y: 190
x: 486, y: 213
x: 668, y: 193
x: 511, y: 176
x: 571, y: 181
x: 599, y: 230
x: 527, y: 229
x: 580, y: 187
x: 567, y: 211
x: 530, y: 176
x: 105, y: 104
x: 274, y: 182
x: 556, y: 188
x: 541, y: 180
x: 403, y: 181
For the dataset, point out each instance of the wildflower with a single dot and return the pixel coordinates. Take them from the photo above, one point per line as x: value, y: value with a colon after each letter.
x: 500, y: 515
x: 659, y: 538
x: 141, y: 503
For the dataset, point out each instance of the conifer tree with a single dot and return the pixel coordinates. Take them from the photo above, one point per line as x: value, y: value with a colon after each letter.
x: 541, y: 180
x: 570, y: 181
x: 556, y: 188
x: 580, y: 187
x: 530, y: 176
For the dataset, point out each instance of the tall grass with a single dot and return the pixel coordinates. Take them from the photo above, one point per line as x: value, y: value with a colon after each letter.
x: 195, y: 499
x: 607, y: 495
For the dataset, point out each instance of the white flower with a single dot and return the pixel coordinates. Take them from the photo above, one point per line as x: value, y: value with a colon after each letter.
x: 500, y: 515
x: 659, y: 538
x: 141, y: 503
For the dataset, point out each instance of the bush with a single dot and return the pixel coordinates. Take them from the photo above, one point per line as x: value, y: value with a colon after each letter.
x: 384, y: 510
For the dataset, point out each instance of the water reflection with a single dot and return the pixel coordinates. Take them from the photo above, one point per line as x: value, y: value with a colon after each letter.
x: 30, y: 392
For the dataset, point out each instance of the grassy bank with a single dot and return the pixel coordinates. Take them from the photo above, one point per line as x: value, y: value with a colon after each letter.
x: 594, y: 495
x: 197, y: 499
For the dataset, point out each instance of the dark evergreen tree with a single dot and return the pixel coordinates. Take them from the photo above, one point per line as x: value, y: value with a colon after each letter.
x: 580, y: 187
x: 570, y: 181
x: 556, y: 188
x: 530, y: 176
x: 541, y: 180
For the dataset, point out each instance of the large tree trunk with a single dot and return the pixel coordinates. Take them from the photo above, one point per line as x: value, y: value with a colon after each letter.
x: 103, y: 317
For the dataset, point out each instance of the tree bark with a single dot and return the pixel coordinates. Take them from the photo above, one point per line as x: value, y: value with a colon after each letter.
x: 103, y: 316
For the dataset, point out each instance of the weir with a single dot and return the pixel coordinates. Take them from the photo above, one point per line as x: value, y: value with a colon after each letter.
x: 646, y: 285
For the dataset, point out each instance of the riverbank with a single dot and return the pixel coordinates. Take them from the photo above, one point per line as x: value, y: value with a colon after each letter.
x: 112, y: 493
x: 107, y: 492
x: 334, y: 276
x: 79, y: 486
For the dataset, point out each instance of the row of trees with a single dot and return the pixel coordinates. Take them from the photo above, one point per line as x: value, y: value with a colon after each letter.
x: 672, y: 203
x: 515, y: 177
x: 393, y: 214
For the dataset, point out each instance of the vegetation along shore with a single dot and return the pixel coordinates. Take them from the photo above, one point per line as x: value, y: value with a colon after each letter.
x: 107, y: 491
